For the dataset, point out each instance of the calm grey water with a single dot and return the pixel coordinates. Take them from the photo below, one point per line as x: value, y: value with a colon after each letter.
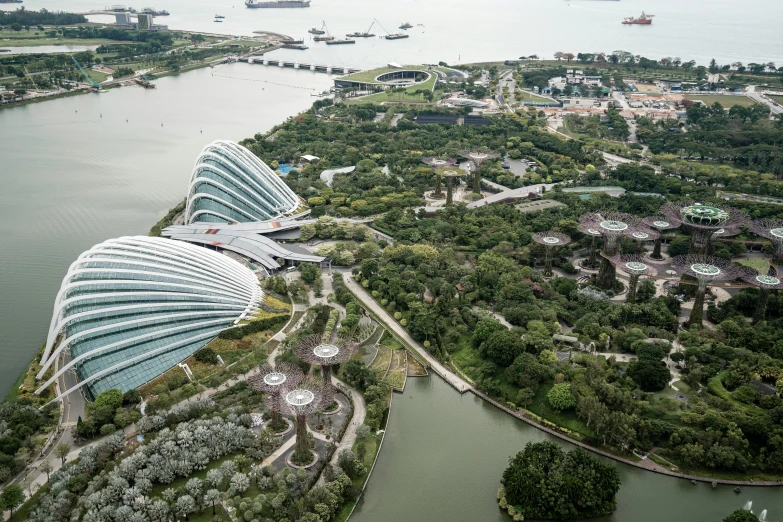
x: 73, y: 173
x: 444, y: 454
x: 472, y: 30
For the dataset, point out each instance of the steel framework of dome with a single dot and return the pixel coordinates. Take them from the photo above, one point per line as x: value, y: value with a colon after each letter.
x: 229, y: 184
x: 478, y: 157
x: 703, y: 221
x: 706, y: 270
x: 131, y: 308
x: 766, y: 284
x: 635, y: 266
x: 438, y: 163
x: 550, y: 240
x: 771, y: 229
x: 305, y: 398
x: 612, y: 226
x: 661, y: 224
x: 272, y: 381
x: 314, y: 350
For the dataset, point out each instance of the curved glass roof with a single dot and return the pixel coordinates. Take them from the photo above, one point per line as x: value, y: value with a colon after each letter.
x: 131, y: 308
x: 230, y: 184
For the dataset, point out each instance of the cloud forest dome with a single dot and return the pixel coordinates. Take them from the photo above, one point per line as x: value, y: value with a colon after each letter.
x: 131, y: 308
x: 230, y: 184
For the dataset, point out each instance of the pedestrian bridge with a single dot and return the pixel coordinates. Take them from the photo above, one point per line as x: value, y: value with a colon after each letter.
x: 300, y: 65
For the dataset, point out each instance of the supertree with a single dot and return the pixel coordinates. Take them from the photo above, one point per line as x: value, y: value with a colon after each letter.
x: 437, y: 163
x: 594, y: 235
x: 313, y: 350
x: 720, y: 234
x: 645, y: 235
x: 550, y: 240
x: 706, y: 270
x: 307, y: 397
x: 612, y: 226
x: 477, y: 157
x: 661, y: 224
x: 703, y: 221
x: 635, y: 267
x: 272, y: 381
x: 771, y: 229
x: 765, y: 283
x: 449, y: 173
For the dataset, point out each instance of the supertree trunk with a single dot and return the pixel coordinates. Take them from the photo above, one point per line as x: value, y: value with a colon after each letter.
x: 438, y: 187
x: 302, y: 449
x: 548, y: 263
x: 631, y: 297
x: 606, y: 275
x: 697, y: 314
x: 761, y: 306
x: 656, y: 254
x: 477, y: 182
x: 327, y: 371
x: 591, y: 259
x: 277, y: 423
x: 777, y: 253
x: 700, y: 242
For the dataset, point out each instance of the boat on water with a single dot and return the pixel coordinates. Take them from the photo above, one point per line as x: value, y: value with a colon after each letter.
x: 219, y: 16
x: 10, y: 1
x: 327, y: 38
x: 406, y: 25
x: 297, y: 46
x: 292, y: 41
x: 277, y: 3
x: 218, y: 20
x: 365, y: 34
x: 340, y: 42
x: 316, y: 31
x: 396, y: 36
x: 162, y: 12
x: 645, y: 19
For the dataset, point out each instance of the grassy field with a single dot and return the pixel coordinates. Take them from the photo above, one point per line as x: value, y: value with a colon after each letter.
x: 369, y: 76
x: 759, y: 264
x: 9, y: 38
x: 725, y: 100
x: 777, y: 98
x: 530, y: 97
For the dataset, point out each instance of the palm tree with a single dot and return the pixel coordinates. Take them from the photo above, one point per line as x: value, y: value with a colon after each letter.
x: 212, y: 497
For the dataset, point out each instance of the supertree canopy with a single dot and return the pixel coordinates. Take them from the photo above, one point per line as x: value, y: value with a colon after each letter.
x: 438, y: 163
x: 477, y: 157
x: 703, y: 221
x: 645, y: 235
x: 635, y: 267
x: 771, y: 229
x: 661, y: 224
x: 612, y: 226
x: 272, y: 381
x: 449, y: 173
x: 550, y: 240
x: 706, y: 270
x: 594, y: 235
x: 305, y: 398
x: 313, y: 350
x: 765, y: 283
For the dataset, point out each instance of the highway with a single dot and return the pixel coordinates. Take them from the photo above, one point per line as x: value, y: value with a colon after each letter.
x: 758, y: 97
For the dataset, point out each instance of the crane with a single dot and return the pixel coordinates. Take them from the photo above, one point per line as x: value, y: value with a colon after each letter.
x: 86, y: 76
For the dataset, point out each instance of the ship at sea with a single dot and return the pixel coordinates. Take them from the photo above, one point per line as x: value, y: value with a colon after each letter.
x: 316, y: 31
x: 152, y: 11
x: 365, y: 34
x: 341, y: 42
x: 645, y: 19
x: 278, y: 3
x: 397, y: 36
x: 10, y: 1
x: 406, y: 25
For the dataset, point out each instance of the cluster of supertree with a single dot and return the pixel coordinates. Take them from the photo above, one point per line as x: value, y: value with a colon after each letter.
x: 478, y: 157
x: 611, y: 226
x: 635, y: 267
x: 273, y: 381
x: 436, y: 164
x: 308, y: 397
x: 771, y: 229
x: 313, y: 350
x: 765, y: 283
x: 550, y: 240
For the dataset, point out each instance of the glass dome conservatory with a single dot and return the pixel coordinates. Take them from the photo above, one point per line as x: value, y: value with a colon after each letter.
x: 230, y: 184
x: 131, y: 308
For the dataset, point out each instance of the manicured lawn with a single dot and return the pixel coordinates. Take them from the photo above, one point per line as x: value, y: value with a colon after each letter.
x: 684, y: 388
x: 369, y: 76
x: 726, y: 101
x: 530, y: 97
x: 759, y: 264
x: 777, y: 98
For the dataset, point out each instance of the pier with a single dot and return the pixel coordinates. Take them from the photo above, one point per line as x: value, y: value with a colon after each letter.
x: 337, y: 69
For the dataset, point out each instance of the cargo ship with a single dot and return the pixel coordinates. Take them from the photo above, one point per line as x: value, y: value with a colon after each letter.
x: 397, y: 36
x: 327, y: 38
x: 278, y: 3
x: 340, y: 42
x: 645, y: 19
x: 10, y: 1
x: 162, y: 12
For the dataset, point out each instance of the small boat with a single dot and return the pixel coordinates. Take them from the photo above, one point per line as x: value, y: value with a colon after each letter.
x: 645, y: 19
x: 340, y: 42
x: 406, y: 25
x: 218, y: 20
x: 360, y: 35
x: 323, y: 38
x: 714, y: 484
x: 397, y: 36
x: 318, y: 31
x: 737, y: 490
x: 219, y: 16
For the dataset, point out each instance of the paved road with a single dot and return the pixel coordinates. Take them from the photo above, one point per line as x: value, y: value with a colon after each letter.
x: 756, y: 96
x: 370, y: 303
x: 519, y: 193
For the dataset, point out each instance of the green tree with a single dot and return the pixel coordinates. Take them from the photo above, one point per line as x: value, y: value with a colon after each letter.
x: 741, y: 515
x: 525, y: 397
x: 310, y: 272
x: 12, y: 497
x: 504, y: 346
x: 650, y: 375
x: 61, y: 451
x: 560, y: 397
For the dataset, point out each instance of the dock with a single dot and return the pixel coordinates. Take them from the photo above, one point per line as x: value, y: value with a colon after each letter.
x: 300, y: 65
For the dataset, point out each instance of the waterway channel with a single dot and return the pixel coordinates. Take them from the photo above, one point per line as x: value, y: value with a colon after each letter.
x: 74, y: 172
x: 444, y: 454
